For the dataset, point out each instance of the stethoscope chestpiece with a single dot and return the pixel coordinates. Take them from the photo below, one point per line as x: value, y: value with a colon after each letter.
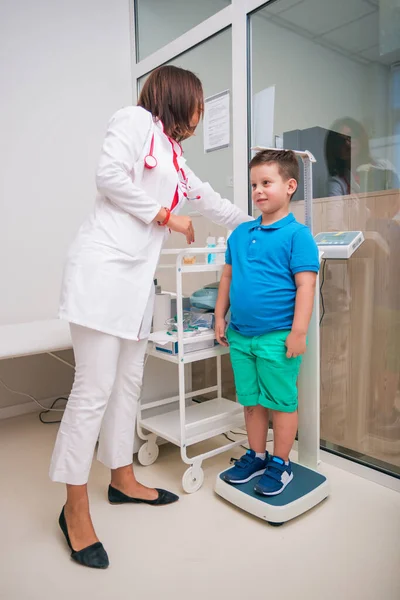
x: 150, y: 160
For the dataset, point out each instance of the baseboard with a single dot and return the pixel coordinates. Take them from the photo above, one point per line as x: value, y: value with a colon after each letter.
x: 366, y: 472
x: 391, y: 482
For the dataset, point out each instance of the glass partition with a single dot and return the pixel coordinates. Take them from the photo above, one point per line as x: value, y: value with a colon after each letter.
x: 159, y: 22
x: 326, y: 79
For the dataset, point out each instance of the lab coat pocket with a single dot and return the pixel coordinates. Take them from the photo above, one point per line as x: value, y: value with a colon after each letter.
x: 120, y: 232
x: 102, y: 297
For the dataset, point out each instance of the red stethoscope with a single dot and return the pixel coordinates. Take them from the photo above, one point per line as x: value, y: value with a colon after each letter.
x: 150, y: 162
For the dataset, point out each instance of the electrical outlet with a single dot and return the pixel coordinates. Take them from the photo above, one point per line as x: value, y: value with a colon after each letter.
x: 229, y: 181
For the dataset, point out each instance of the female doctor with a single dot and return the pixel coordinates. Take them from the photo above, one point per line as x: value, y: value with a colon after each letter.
x: 108, y: 292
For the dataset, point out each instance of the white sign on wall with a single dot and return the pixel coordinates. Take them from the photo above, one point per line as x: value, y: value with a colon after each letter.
x: 217, y: 121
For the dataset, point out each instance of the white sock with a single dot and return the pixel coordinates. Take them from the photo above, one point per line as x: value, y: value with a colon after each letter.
x: 285, y: 461
x: 261, y: 455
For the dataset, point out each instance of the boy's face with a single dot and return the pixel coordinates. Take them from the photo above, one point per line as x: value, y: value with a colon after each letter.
x: 270, y: 193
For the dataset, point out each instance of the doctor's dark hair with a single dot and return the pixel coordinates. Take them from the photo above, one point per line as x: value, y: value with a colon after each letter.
x: 173, y: 96
x: 285, y: 160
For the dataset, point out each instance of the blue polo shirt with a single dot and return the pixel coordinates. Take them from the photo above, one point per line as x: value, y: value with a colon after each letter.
x: 265, y: 259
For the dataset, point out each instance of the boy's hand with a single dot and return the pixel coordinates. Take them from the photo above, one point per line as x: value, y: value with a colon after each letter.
x: 220, y: 328
x: 295, y: 344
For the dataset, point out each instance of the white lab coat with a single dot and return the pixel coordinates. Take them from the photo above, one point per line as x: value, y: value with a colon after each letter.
x: 108, y: 276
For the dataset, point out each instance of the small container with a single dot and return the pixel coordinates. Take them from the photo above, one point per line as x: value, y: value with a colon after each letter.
x: 157, y: 287
x: 162, y: 310
x: 220, y: 257
x: 190, y: 259
x: 210, y: 243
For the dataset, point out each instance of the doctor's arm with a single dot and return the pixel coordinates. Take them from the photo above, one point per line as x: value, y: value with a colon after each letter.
x: 210, y: 204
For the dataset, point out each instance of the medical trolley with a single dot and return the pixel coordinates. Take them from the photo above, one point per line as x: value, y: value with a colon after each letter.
x: 192, y: 422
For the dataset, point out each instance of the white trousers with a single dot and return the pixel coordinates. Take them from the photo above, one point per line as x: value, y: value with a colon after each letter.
x: 103, y: 400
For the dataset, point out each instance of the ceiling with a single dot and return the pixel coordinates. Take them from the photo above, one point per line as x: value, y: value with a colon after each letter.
x: 349, y: 27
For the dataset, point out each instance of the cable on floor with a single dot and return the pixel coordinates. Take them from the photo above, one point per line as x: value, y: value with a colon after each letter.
x: 43, y: 412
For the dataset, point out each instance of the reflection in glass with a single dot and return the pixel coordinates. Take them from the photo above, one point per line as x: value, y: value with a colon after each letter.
x: 330, y: 69
x: 351, y: 165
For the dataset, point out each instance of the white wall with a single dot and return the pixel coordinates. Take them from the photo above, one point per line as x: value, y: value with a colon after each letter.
x: 65, y: 67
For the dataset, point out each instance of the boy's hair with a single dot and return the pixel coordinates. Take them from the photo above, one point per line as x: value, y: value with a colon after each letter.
x: 286, y: 161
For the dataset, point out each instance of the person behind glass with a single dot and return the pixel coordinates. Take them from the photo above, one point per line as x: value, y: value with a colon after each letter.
x: 108, y: 292
x: 275, y: 260
x: 351, y: 167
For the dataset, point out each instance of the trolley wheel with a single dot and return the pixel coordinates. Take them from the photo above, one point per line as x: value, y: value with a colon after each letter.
x: 148, y: 454
x: 190, y: 483
x: 274, y: 524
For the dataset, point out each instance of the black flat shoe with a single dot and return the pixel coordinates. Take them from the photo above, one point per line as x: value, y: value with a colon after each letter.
x: 164, y: 497
x: 93, y: 556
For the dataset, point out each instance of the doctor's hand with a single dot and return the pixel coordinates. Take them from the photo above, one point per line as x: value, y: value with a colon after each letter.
x: 182, y: 224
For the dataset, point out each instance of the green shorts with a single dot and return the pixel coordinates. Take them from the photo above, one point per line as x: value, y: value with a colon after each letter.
x: 263, y: 374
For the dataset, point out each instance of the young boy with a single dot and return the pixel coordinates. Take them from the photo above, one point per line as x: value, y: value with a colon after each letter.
x: 269, y: 283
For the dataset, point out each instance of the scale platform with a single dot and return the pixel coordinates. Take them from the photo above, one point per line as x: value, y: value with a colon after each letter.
x: 307, y: 489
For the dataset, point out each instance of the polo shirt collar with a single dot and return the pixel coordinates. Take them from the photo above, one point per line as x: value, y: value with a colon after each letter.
x: 277, y: 225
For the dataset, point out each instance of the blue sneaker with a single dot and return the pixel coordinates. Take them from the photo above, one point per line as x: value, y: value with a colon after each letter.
x: 276, y: 477
x: 247, y: 467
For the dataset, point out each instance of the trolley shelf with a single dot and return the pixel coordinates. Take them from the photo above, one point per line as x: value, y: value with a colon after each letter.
x: 190, y: 357
x: 199, y: 268
x: 203, y: 421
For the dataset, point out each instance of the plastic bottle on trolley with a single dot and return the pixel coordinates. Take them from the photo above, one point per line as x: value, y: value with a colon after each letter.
x: 210, y: 243
x: 220, y: 257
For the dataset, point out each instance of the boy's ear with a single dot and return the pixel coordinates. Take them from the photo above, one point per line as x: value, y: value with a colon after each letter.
x: 292, y: 186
